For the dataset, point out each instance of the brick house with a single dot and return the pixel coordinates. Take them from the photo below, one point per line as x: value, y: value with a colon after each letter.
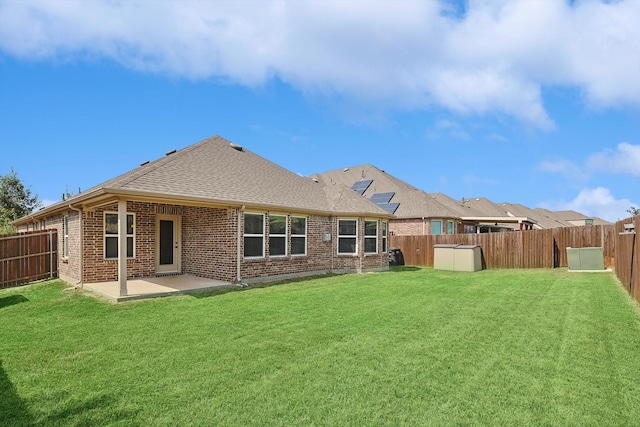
x: 214, y: 210
x: 416, y: 212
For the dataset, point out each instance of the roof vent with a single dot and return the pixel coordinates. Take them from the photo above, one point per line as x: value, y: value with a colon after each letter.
x: 144, y: 163
x: 170, y: 152
x: 314, y: 179
x: 236, y: 147
x: 345, y: 169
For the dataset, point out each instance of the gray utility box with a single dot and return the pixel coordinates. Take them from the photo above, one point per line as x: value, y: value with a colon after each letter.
x: 467, y: 258
x: 585, y: 258
x: 457, y: 257
x: 443, y: 256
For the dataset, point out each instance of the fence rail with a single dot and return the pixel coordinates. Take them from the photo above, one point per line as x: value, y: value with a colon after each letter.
x: 25, y: 257
x: 540, y: 248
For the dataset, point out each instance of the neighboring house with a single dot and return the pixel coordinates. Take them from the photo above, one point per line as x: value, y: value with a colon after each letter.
x: 577, y: 219
x: 214, y: 210
x: 416, y: 212
x: 495, y: 218
x: 544, y: 220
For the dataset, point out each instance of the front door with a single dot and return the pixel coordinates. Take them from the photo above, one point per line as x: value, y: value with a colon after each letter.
x: 168, y: 244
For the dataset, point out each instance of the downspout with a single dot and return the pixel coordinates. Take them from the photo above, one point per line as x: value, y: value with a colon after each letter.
x: 81, y: 281
x: 238, y: 243
x: 331, y: 247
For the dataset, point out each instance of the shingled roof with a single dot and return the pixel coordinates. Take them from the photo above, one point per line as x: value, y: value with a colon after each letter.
x: 413, y: 202
x: 216, y: 171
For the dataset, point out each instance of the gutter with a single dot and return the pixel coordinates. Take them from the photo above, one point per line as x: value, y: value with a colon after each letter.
x: 238, y: 244
x: 79, y: 210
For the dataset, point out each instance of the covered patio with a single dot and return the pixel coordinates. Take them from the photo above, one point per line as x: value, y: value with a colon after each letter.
x: 152, y: 287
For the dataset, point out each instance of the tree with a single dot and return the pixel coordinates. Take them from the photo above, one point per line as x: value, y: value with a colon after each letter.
x: 16, y: 200
x: 634, y: 211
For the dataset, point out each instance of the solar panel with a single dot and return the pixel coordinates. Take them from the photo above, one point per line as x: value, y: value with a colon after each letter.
x: 361, y: 186
x: 389, y: 207
x: 382, y: 197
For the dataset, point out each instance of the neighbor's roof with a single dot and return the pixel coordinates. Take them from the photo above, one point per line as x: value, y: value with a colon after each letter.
x: 545, y: 218
x: 413, y: 202
x: 218, y: 172
x: 455, y: 205
x: 570, y: 215
x: 485, y: 206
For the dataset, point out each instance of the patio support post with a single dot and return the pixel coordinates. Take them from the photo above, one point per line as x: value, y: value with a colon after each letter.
x: 122, y: 246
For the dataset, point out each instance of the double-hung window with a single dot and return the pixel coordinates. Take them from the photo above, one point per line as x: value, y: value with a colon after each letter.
x: 277, y: 235
x: 253, y: 235
x: 450, y: 227
x: 384, y: 236
x: 65, y: 236
x: 436, y: 226
x: 347, y: 236
x: 370, y: 237
x: 111, y: 235
x: 298, y: 235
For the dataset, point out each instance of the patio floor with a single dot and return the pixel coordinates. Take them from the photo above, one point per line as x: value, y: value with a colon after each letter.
x: 152, y: 287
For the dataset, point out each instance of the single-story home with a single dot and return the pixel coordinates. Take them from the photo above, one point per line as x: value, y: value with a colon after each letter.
x: 419, y: 213
x: 214, y: 210
x: 416, y: 212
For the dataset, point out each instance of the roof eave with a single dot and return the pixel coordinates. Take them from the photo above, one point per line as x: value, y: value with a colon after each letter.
x: 102, y: 196
x: 502, y: 219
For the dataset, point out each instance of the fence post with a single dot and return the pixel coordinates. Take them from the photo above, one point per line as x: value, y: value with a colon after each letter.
x: 50, y: 254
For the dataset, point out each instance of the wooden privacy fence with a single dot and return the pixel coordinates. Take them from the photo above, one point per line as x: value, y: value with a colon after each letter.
x: 540, y: 248
x: 525, y: 249
x: 25, y: 257
x: 628, y: 256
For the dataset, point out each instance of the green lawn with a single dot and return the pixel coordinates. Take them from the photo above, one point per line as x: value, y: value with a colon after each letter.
x: 407, y: 347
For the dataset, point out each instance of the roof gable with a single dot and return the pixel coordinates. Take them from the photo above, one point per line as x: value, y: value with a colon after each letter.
x: 217, y: 171
x: 391, y: 193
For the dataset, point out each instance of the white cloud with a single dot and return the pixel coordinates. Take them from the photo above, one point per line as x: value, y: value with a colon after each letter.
x: 451, y: 128
x: 625, y: 160
x: 496, y: 137
x: 564, y: 167
x: 598, y: 202
x: 494, y: 59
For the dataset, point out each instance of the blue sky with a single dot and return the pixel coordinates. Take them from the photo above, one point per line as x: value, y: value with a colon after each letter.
x: 525, y: 102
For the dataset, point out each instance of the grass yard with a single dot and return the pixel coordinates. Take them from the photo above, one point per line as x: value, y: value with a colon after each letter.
x: 407, y: 347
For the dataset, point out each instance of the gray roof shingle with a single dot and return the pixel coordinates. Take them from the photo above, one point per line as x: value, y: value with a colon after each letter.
x: 217, y: 171
x: 414, y: 203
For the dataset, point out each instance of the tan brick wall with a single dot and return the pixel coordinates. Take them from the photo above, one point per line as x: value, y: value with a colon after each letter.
x: 208, y: 246
x: 318, y: 255
x: 418, y: 226
x: 407, y: 227
x: 209, y: 242
x: 96, y: 267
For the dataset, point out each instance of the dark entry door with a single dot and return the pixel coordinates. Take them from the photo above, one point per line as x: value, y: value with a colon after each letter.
x: 168, y: 244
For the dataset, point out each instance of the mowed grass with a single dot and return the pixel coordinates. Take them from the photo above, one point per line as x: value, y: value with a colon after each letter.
x: 407, y: 347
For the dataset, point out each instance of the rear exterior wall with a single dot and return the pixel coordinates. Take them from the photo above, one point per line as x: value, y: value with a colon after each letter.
x: 209, y: 245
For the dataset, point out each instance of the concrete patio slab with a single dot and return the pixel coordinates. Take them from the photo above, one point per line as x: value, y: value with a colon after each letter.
x: 152, y: 287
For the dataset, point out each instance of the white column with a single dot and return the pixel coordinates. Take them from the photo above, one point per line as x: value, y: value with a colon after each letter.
x: 122, y: 246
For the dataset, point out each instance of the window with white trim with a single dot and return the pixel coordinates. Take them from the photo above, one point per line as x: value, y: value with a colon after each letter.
x: 450, y: 227
x: 347, y: 236
x: 371, y: 237
x: 111, y: 235
x: 277, y: 235
x: 436, y: 226
x: 385, y: 225
x: 298, y: 235
x: 65, y: 236
x: 253, y: 235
